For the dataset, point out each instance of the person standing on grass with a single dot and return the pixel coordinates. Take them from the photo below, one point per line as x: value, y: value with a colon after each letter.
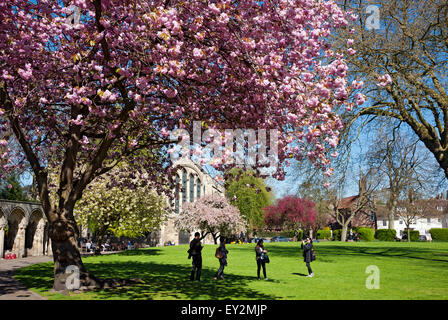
x: 307, y: 246
x: 259, y: 251
x: 223, y: 260
x: 195, y: 252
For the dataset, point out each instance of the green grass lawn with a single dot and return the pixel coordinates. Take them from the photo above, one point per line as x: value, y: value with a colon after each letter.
x: 407, y: 271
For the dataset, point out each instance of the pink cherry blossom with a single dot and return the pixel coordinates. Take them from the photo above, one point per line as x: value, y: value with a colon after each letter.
x: 384, y: 80
x: 360, y: 98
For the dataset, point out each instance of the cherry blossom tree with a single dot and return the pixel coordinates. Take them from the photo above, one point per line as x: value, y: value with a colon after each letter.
x: 83, y: 96
x: 291, y: 213
x: 211, y: 214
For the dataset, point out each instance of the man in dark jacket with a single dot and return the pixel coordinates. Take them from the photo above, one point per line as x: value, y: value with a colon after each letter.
x: 307, y: 246
x: 195, y: 252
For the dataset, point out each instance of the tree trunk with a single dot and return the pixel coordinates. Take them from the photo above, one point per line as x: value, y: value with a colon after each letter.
x: 296, y: 235
x: 391, y: 216
x: 98, y: 245
x: 344, y: 232
x: 100, y: 240
x: 67, y: 258
x: 215, y: 238
x: 409, y: 235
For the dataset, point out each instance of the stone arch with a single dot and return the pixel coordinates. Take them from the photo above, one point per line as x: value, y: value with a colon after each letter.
x: 15, y: 235
x: 34, y: 234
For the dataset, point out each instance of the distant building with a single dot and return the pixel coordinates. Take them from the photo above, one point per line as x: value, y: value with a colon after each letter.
x: 195, y: 182
x: 434, y: 214
x: 365, y: 217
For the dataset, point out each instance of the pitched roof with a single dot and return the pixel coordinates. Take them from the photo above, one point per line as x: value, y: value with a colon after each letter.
x: 431, y: 207
x: 348, y: 202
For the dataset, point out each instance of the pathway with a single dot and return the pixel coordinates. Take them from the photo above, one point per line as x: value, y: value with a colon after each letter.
x: 10, y: 288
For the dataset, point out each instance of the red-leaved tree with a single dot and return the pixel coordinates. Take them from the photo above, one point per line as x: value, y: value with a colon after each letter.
x: 291, y: 213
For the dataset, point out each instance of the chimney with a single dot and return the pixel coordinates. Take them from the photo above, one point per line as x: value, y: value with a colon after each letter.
x: 362, y: 184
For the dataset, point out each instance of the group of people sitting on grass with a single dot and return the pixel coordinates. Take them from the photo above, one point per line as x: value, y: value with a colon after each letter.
x: 261, y: 257
x: 353, y: 236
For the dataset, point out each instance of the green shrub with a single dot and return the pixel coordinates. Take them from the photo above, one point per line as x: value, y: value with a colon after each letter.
x: 323, y: 234
x: 287, y: 234
x: 366, y: 234
x: 385, y: 234
x: 415, y: 235
x: 337, y: 235
x: 439, y: 234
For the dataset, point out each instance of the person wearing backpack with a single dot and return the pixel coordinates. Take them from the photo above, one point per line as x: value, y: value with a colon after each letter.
x: 308, y: 254
x: 260, y: 256
x: 221, y: 254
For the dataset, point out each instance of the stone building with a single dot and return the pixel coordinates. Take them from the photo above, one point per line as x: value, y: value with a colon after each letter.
x: 23, y: 229
x: 195, y: 182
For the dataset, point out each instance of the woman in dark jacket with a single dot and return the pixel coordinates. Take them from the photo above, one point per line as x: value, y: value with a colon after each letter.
x: 259, y: 251
x: 223, y: 259
x: 307, y: 246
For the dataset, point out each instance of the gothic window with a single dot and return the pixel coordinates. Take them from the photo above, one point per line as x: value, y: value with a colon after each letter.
x: 198, y: 189
x: 191, y: 188
x: 184, y: 186
x: 176, y: 208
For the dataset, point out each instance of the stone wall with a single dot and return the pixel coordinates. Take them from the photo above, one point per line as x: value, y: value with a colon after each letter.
x: 23, y: 229
x: 197, y: 184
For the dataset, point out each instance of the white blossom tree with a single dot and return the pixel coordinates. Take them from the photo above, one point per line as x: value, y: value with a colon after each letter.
x: 122, y: 211
x: 211, y: 214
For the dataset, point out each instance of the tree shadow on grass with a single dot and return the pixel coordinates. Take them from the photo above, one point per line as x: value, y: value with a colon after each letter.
x: 159, y: 281
x: 385, y: 251
x: 38, y: 276
x: 172, y: 282
x: 139, y: 252
x: 323, y: 253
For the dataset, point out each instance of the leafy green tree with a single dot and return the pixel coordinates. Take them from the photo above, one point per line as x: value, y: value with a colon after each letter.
x: 250, y: 194
x: 12, y: 190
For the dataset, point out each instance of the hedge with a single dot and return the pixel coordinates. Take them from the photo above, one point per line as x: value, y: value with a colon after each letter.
x: 439, y: 234
x: 337, y: 235
x: 386, y: 234
x: 415, y: 235
x: 366, y: 234
x: 323, y: 234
